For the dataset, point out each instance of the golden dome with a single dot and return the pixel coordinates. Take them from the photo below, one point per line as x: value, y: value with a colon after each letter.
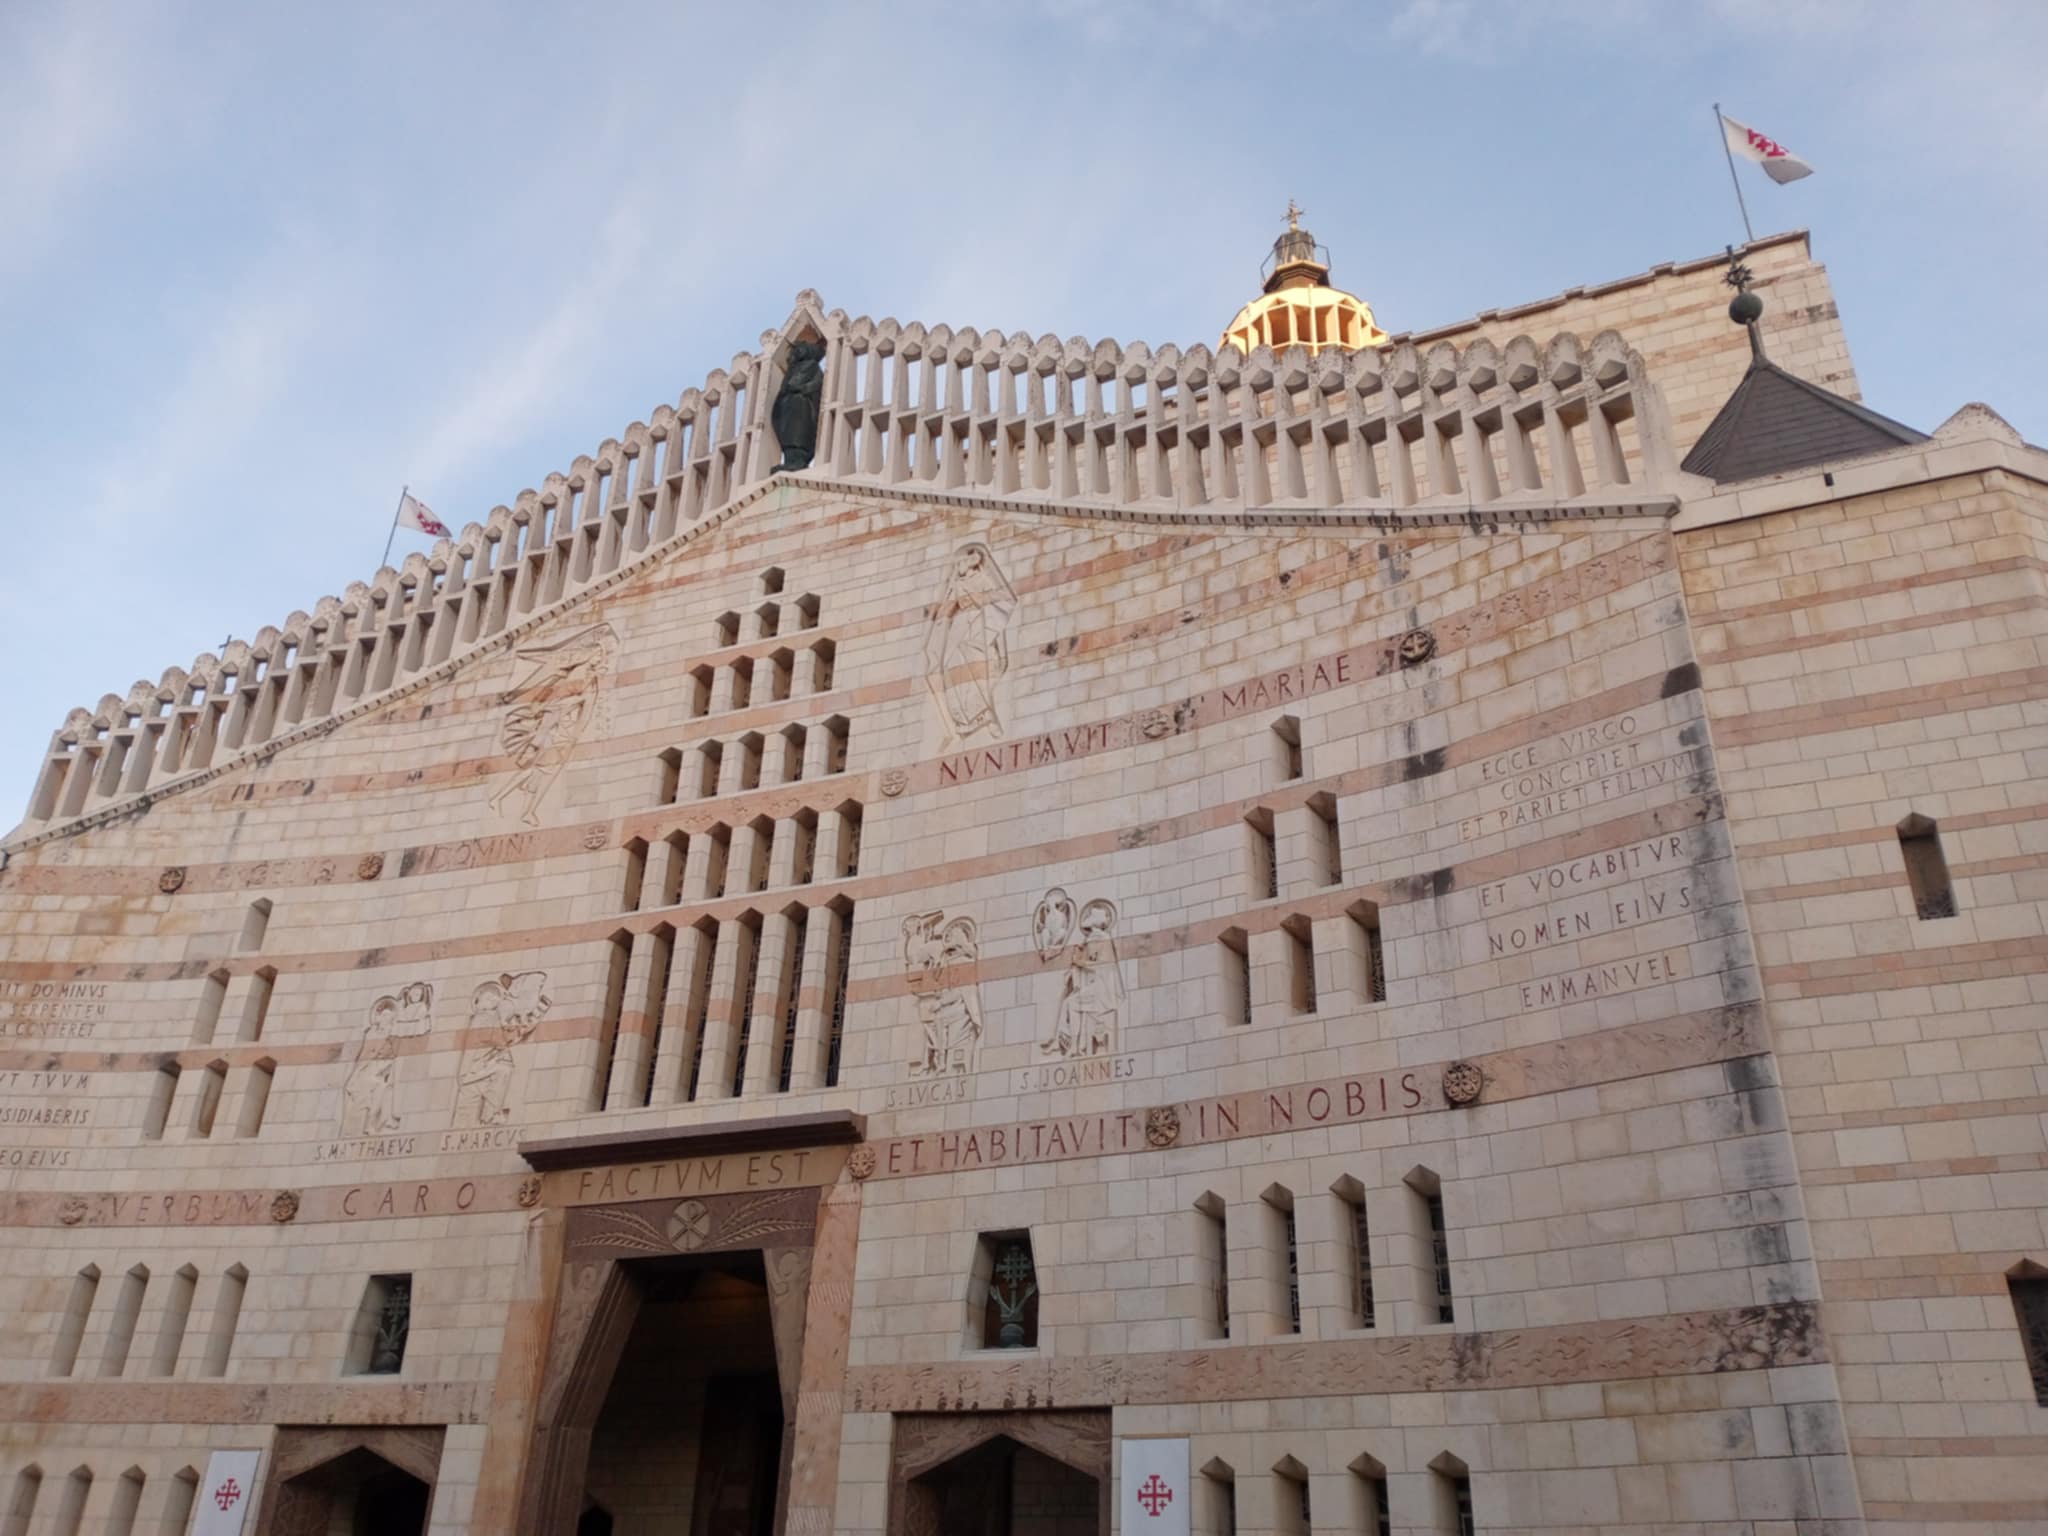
x: 1298, y: 307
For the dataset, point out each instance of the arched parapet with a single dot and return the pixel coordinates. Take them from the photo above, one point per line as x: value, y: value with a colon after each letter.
x: 1521, y: 364
x: 265, y: 644
x: 414, y: 571
x: 1479, y: 369
x: 172, y: 685
x: 1196, y: 365
x: 1607, y: 360
x: 298, y: 624
x: 1291, y: 367
x: 142, y: 699
x: 205, y: 673
x: 1440, y: 368
x: 77, y: 727
x: 1401, y: 368
x: 234, y: 660
x: 1562, y: 363
x: 1166, y: 366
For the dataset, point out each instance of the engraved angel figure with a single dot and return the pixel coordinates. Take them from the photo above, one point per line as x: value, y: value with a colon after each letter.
x: 939, y: 960
x: 552, y: 709
x: 368, y: 1106
x: 966, y: 644
x: 1092, y: 997
x: 506, y: 1012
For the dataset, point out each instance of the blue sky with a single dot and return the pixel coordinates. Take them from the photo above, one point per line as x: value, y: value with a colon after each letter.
x: 266, y: 263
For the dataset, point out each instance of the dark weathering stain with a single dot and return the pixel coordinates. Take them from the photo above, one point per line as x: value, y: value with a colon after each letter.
x: 1681, y: 679
x: 369, y: 959
x: 1422, y: 764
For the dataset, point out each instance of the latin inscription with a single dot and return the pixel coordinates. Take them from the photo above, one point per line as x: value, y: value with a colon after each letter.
x: 25, y: 1099
x: 1599, y: 980
x: 1669, y: 850
x: 1074, y: 1074
x: 369, y: 1148
x: 1545, y: 926
x: 49, y: 1010
x: 35, y: 1157
x: 706, y: 1175
x: 942, y: 1090
x: 1050, y: 1140
x: 1574, y: 785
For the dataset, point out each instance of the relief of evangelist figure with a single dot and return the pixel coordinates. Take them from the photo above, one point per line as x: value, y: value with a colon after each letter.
x: 553, y: 707
x: 369, y: 1096
x: 940, y: 960
x: 1092, y: 994
x: 506, y: 1012
x: 966, y: 644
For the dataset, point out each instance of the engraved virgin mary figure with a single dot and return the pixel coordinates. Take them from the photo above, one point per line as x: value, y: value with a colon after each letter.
x: 1092, y: 996
x: 966, y: 644
x: 552, y: 708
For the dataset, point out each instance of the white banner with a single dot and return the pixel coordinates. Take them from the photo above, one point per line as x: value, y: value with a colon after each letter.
x: 1156, y: 1499
x: 226, y: 1494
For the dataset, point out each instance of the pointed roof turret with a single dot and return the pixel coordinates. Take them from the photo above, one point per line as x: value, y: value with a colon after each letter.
x: 1776, y: 421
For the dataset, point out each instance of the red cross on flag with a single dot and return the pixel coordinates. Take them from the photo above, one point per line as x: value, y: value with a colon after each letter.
x: 222, y: 1508
x: 1779, y: 163
x: 1155, y: 1497
x: 413, y: 514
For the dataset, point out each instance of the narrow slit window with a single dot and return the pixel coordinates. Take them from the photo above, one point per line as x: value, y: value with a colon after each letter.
x: 1934, y: 895
x: 256, y: 1097
x: 1287, y: 747
x: 1214, y: 1255
x: 1233, y: 959
x: 126, y: 1503
x: 256, y: 1007
x: 1008, y: 1280
x: 2028, y: 1286
x: 1264, y: 844
x: 1375, y: 1513
x: 842, y: 964
x: 21, y: 1502
x: 227, y: 1317
x: 1368, y: 956
x: 163, y: 1089
x: 178, y: 1504
x: 749, y: 969
x: 792, y: 983
x: 170, y: 1334
x: 1358, y: 1236
x: 71, y: 1511
x: 213, y: 992
x: 255, y: 925
x: 849, y: 840
x: 121, y: 1330
x: 1301, y: 964
x: 1330, y: 843
x: 636, y: 875
x: 212, y: 1084
x: 618, y: 957
x: 85, y: 1285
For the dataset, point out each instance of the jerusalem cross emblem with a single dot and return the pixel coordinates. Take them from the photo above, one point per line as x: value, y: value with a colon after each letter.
x: 1154, y: 1495
x: 227, y: 1495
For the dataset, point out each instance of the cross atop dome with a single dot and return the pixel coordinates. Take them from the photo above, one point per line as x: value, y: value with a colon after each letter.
x: 1298, y: 307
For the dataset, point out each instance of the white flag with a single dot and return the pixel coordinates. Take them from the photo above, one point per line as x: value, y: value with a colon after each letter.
x: 1779, y: 163
x: 1156, y: 1498
x: 413, y: 514
x: 225, y: 1496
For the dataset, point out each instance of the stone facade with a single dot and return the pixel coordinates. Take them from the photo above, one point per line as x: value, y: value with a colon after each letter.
x: 1405, y: 909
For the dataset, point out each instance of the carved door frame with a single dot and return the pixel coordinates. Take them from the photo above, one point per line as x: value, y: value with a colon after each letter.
x: 302, y: 1448
x: 921, y: 1443
x: 598, y: 1301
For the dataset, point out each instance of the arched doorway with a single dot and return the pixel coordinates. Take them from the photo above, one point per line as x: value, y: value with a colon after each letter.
x: 1000, y: 1474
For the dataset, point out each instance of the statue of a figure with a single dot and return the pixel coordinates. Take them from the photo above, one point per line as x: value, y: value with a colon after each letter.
x: 795, y: 416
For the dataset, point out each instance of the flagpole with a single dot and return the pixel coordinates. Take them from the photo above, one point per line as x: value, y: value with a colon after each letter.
x: 1722, y: 123
x: 394, y: 526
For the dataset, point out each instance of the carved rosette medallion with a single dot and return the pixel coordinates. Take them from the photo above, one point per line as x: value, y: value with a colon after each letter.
x: 860, y: 1162
x: 1462, y: 1082
x: 369, y: 866
x: 1162, y: 1125
x: 285, y: 1206
x: 72, y: 1211
x: 595, y: 838
x: 529, y: 1191
x: 689, y: 1225
x: 1416, y: 647
x: 894, y: 782
x: 172, y: 880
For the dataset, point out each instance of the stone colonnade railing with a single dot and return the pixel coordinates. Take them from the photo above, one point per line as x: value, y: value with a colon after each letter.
x: 1109, y: 426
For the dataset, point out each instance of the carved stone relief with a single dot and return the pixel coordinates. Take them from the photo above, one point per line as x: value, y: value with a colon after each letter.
x: 1091, y: 1001
x: 966, y: 645
x: 369, y: 1096
x: 941, y: 961
x: 507, y: 1010
x: 553, y: 707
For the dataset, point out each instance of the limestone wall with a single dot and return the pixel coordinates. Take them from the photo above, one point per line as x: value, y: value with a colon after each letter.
x: 1866, y: 659
x: 1038, y: 767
